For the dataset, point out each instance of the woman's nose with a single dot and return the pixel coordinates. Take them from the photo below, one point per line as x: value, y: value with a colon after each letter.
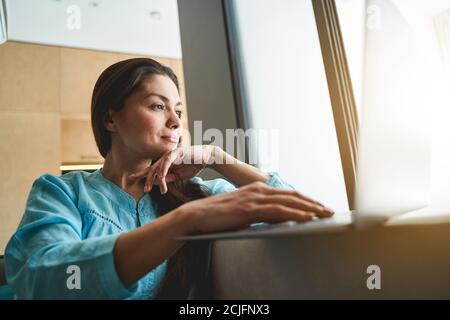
x: 174, y: 120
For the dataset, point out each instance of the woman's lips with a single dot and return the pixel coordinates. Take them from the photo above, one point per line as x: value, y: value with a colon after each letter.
x: 172, y: 139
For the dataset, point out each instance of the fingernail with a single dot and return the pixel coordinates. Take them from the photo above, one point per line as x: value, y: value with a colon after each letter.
x: 132, y: 175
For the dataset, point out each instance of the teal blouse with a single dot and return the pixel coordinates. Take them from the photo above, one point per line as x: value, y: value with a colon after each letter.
x: 75, y: 219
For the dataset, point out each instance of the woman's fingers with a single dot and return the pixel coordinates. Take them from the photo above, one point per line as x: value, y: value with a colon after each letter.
x: 162, y: 173
x: 164, y: 169
x: 158, y: 172
x: 301, y: 195
x: 290, y: 198
x: 162, y: 184
x: 150, y: 180
x: 295, y: 194
x: 148, y: 173
x: 276, y: 213
x: 296, y: 203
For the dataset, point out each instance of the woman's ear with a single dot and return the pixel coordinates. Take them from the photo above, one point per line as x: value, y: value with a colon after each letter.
x: 109, y: 121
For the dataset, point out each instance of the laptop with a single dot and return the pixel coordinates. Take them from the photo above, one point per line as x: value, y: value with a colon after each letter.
x: 394, y: 146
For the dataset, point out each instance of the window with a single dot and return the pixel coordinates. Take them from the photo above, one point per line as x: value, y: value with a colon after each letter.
x: 318, y: 71
x: 285, y: 89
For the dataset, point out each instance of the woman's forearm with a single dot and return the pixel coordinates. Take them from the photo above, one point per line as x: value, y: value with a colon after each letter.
x: 139, y: 251
x: 238, y: 172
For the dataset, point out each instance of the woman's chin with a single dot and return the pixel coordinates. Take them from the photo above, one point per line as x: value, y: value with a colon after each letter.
x: 168, y: 147
x: 160, y: 150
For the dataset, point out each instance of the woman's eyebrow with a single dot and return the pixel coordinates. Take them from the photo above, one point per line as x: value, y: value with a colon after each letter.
x: 163, y: 98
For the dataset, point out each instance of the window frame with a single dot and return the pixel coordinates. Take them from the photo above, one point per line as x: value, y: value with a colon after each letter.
x: 340, y: 89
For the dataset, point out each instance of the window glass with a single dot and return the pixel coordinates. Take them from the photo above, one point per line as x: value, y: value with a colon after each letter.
x: 287, y: 96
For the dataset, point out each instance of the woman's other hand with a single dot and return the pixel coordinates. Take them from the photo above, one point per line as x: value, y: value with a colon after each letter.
x: 250, y: 204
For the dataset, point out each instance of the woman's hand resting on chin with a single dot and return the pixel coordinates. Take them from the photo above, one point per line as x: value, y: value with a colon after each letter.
x: 181, y: 163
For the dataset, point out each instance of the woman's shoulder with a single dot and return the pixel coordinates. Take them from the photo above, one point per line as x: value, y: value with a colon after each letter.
x: 66, y: 183
x: 52, y: 196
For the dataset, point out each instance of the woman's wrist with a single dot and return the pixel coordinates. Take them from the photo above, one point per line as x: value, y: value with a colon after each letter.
x: 184, y: 219
x: 221, y: 158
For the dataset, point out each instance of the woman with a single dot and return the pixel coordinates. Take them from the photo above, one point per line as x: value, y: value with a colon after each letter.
x: 111, y: 234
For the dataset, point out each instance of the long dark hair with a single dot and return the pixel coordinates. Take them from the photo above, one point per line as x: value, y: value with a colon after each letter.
x: 116, y: 83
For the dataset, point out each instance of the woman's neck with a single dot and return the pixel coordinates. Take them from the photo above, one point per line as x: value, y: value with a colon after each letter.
x: 118, y: 167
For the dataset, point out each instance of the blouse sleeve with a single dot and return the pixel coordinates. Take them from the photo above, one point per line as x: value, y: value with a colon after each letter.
x: 47, y: 258
x: 220, y: 185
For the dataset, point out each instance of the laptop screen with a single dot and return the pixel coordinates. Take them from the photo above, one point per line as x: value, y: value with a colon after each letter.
x: 395, y: 137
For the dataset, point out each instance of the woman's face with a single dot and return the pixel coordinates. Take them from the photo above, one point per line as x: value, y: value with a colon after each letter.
x: 149, y: 124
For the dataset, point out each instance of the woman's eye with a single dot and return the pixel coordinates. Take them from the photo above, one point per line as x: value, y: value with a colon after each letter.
x: 158, y: 106
x: 179, y: 114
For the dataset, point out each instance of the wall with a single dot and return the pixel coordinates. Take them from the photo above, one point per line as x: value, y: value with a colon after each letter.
x: 29, y: 108
x: 206, y: 67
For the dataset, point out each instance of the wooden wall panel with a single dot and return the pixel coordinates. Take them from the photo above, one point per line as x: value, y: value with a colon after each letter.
x: 80, y: 70
x: 78, y: 143
x: 29, y: 147
x: 29, y: 78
